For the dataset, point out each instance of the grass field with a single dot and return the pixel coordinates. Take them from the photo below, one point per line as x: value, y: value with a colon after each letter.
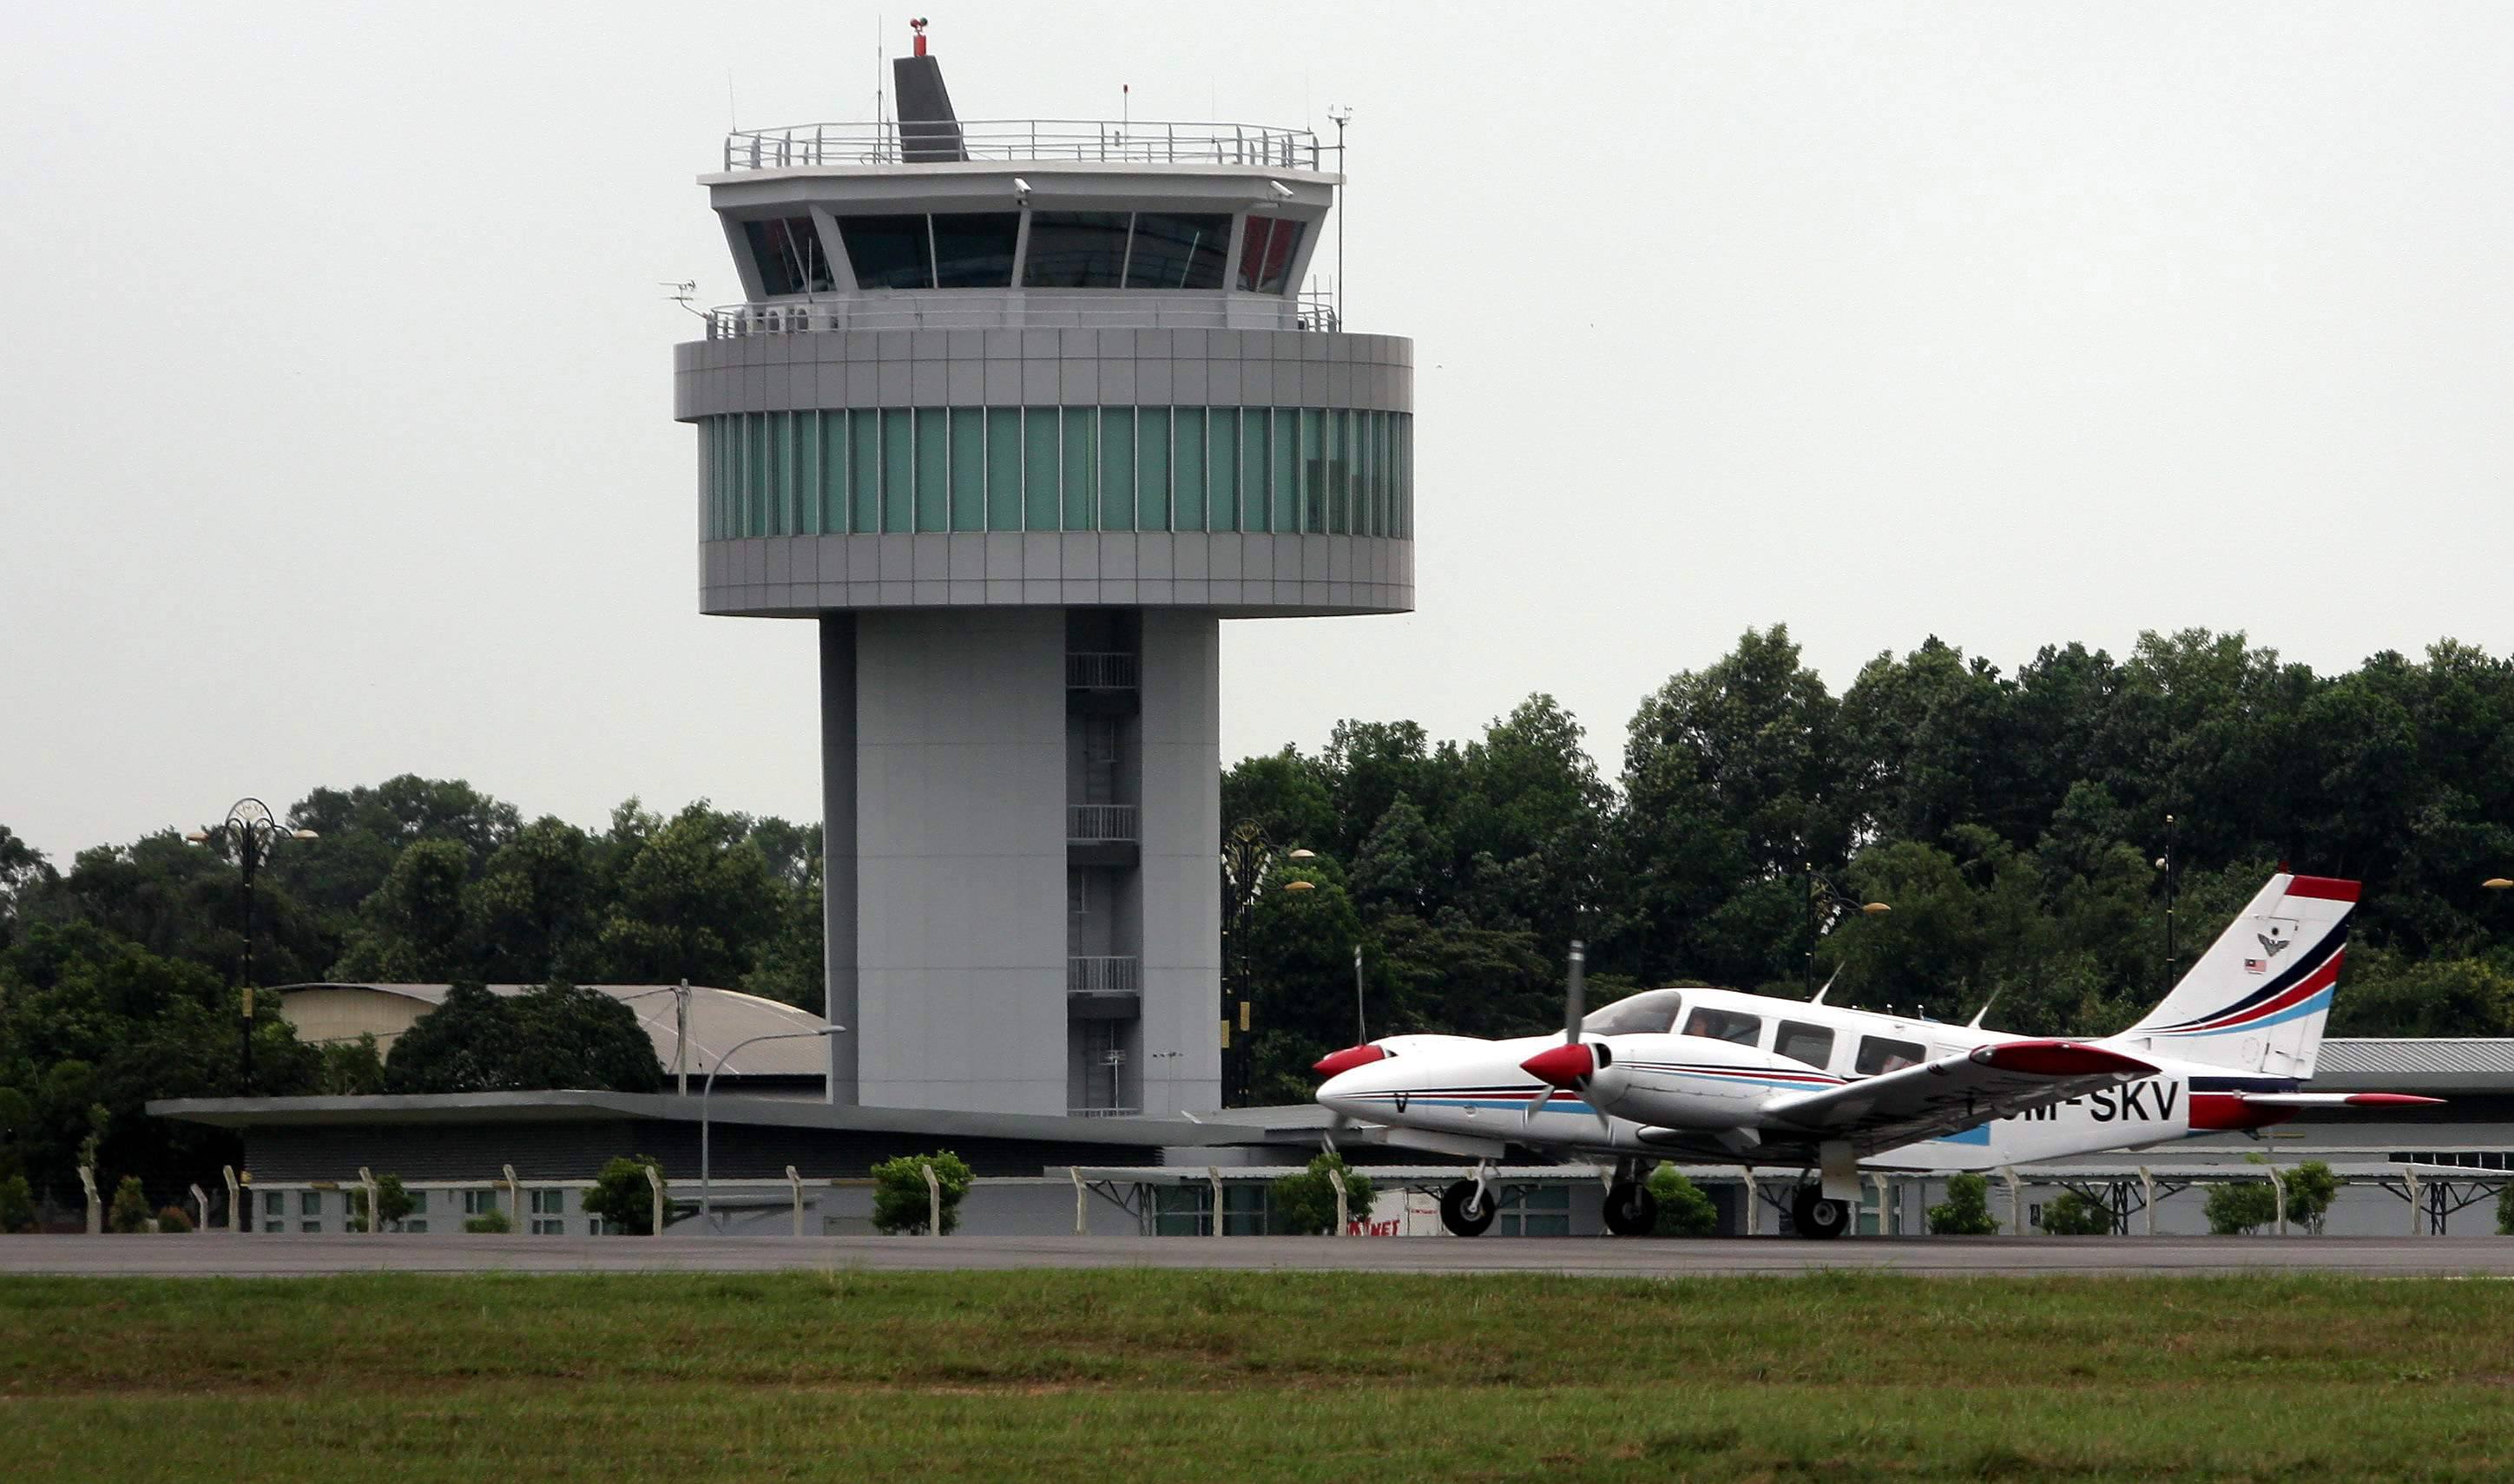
x: 1158, y: 1376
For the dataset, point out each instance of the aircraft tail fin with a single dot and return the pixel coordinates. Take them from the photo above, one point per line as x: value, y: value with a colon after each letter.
x: 2258, y: 999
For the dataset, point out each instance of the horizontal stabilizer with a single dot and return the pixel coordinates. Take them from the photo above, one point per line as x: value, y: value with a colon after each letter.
x: 2339, y: 1099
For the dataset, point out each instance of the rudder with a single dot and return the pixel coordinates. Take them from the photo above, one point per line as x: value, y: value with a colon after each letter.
x: 2258, y: 999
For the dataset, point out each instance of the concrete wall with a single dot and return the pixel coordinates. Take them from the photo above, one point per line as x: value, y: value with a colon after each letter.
x: 1181, y: 893
x: 961, y: 858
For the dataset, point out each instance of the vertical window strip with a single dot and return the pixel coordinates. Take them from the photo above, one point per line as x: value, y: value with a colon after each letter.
x: 864, y: 477
x: 1222, y: 441
x: 1116, y: 468
x: 758, y: 478
x: 968, y: 468
x: 933, y: 469
x: 897, y: 470
x: 1314, y: 482
x: 1081, y: 468
x: 1406, y: 479
x: 1286, y: 473
x: 1152, y: 467
x: 834, y: 457
x: 1003, y: 469
x: 1188, y: 473
x: 1255, y: 489
x: 1041, y: 465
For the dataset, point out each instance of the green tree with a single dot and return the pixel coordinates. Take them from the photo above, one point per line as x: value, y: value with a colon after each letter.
x: 461, y: 1046
x: 393, y: 1202
x: 1305, y: 1204
x: 1684, y: 1211
x: 2311, y: 1187
x: 900, y: 1200
x: 622, y: 1196
x: 552, y: 1036
x: 17, y: 1206
x: 1283, y: 794
x: 129, y: 1213
x: 2239, y: 1210
x: 2505, y: 1209
x: 690, y: 899
x: 2073, y: 1215
x: 351, y: 1068
x: 413, y: 930
x: 1965, y: 1212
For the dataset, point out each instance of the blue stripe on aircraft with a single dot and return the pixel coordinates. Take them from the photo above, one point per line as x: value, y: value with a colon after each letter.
x: 1979, y: 1133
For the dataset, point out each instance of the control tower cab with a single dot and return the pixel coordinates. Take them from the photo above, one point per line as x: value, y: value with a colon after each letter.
x: 1017, y: 413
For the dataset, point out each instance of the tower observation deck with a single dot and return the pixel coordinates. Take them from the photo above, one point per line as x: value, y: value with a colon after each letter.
x: 1017, y: 413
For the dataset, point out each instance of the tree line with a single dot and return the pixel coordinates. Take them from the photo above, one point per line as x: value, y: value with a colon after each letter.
x: 2011, y: 822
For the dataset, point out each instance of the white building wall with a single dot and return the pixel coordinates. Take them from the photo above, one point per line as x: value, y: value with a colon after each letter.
x: 961, y: 858
x: 1182, y: 829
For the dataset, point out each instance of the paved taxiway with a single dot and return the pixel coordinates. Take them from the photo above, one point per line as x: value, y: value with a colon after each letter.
x: 214, y: 1254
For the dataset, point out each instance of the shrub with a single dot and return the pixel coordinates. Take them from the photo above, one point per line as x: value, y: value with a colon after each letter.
x: 130, y: 1210
x: 17, y: 1205
x: 622, y: 1196
x: 1965, y: 1212
x: 173, y: 1218
x: 1683, y: 1209
x: 2504, y: 1209
x: 2241, y: 1210
x: 2311, y: 1187
x: 488, y: 1223
x: 898, y: 1191
x: 2073, y: 1215
x: 392, y: 1201
x: 1305, y: 1204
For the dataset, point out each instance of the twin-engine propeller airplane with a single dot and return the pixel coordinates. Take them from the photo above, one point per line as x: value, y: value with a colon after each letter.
x: 1717, y: 1076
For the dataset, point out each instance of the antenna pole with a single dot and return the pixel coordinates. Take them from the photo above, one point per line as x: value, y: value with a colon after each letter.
x: 1342, y: 117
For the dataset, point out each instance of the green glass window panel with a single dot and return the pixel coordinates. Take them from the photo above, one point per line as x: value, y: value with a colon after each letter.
x: 1042, y: 477
x: 864, y: 475
x: 1081, y: 468
x: 834, y: 473
x: 756, y: 476
x: 1405, y: 478
x: 1003, y: 469
x: 1153, y: 469
x: 706, y: 480
x: 1314, y: 474
x: 898, y: 469
x: 968, y: 468
x: 1373, y: 484
x: 1222, y: 434
x: 933, y: 469
x: 1285, y: 471
x: 1254, y: 497
x: 1339, y: 471
x: 781, y: 453
x: 807, y: 473
x: 1116, y: 468
x: 1188, y: 476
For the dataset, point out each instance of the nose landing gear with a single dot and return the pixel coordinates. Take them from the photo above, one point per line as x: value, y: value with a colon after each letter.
x: 1467, y: 1209
x: 1631, y: 1210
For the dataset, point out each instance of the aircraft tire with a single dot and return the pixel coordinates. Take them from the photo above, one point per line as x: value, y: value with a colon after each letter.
x: 1631, y: 1210
x: 1817, y: 1217
x: 1462, y: 1211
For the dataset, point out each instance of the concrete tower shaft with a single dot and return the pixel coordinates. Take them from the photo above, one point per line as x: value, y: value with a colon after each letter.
x: 1017, y: 413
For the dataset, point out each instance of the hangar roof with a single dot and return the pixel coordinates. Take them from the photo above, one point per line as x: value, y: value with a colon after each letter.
x: 720, y: 1019
x: 2415, y: 1065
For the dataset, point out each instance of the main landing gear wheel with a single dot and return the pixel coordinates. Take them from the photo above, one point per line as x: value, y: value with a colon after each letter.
x: 1466, y: 1209
x: 1818, y: 1216
x: 1631, y: 1210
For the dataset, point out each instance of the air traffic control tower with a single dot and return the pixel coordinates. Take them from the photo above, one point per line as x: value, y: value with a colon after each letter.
x: 1017, y: 413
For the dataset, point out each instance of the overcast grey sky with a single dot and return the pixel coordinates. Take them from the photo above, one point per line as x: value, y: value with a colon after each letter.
x: 335, y: 376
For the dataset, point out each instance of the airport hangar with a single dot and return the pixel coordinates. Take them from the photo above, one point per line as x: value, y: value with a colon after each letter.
x: 1016, y: 414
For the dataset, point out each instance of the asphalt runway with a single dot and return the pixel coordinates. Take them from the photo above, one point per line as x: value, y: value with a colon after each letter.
x: 214, y: 1254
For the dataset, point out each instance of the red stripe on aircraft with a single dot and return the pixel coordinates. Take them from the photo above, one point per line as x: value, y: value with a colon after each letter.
x: 2324, y: 888
x: 2215, y: 1112
x: 2306, y: 989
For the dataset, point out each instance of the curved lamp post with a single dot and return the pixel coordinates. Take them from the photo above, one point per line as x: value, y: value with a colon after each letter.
x: 254, y: 829
x: 706, y: 1189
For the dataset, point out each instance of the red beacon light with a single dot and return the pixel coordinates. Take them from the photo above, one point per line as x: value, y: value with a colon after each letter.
x: 917, y: 26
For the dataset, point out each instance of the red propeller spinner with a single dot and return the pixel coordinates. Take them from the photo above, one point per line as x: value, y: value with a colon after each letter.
x: 1345, y: 1061
x: 1561, y: 1065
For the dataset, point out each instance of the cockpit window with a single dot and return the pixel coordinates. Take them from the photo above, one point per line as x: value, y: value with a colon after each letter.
x: 1653, y: 1012
x: 1724, y: 1025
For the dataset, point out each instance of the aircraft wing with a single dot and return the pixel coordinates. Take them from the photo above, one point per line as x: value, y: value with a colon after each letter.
x: 1951, y: 1094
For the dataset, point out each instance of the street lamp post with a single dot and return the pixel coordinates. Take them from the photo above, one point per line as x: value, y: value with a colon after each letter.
x: 255, y: 829
x: 707, y: 1188
x: 1824, y: 904
x: 1246, y: 854
x: 2171, y: 864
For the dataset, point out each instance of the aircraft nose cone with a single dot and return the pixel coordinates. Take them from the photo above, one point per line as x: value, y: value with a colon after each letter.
x: 1335, y: 1063
x: 1560, y: 1066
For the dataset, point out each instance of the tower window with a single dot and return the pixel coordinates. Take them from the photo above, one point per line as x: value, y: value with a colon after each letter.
x: 1266, y: 251
x: 888, y: 252
x: 1077, y: 249
x: 787, y: 252
x: 974, y: 250
x: 1178, y: 251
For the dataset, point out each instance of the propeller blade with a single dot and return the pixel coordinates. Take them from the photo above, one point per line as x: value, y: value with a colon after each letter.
x: 1576, y: 991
